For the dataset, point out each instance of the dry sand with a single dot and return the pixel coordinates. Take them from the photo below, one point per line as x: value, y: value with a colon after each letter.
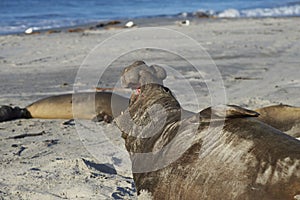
x: 258, y: 60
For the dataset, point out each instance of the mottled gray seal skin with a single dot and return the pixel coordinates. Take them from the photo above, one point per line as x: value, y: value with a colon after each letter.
x: 232, y: 155
x: 87, y: 105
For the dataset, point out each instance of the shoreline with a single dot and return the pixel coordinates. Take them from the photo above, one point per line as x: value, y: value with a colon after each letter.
x: 13, y: 24
x: 150, y: 21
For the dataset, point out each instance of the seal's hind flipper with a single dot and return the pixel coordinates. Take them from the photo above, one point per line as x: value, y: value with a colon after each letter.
x: 9, y: 113
x: 227, y: 111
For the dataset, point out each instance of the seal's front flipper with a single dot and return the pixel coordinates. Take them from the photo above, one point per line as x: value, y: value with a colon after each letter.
x: 227, y: 111
x: 9, y: 113
x: 103, y: 117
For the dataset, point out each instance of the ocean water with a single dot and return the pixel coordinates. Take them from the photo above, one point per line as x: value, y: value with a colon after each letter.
x: 18, y: 15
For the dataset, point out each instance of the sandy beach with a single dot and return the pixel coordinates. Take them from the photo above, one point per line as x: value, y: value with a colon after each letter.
x: 258, y: 61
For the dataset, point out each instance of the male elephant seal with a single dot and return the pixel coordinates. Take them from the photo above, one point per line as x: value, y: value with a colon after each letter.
x: 87, y: 105
x: 243, y: 159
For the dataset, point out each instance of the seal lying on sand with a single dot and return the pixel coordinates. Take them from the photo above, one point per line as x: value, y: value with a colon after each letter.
x: 283, y: 117
x: 97, y: 106
x: 88, y: 105
x: 230, y: 153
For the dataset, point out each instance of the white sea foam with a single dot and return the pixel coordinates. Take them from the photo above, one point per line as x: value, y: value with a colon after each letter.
x: 293, y: 10
x: 229, y: 13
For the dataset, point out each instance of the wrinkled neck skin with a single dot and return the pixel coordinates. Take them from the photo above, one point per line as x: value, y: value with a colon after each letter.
x: 150, y: 111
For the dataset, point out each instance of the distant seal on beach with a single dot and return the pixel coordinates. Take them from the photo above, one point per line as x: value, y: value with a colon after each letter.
x: 231, y: 154
x: 89, y: 105
x: 283, y: 117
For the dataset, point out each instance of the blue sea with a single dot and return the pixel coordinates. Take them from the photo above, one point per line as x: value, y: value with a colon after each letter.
x: 18, y: 15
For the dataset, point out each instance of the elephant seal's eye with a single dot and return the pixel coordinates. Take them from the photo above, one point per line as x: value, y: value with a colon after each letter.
x: 167, y: 90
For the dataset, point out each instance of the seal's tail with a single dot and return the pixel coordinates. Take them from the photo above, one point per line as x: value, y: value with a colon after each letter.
x: 9, y: 113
